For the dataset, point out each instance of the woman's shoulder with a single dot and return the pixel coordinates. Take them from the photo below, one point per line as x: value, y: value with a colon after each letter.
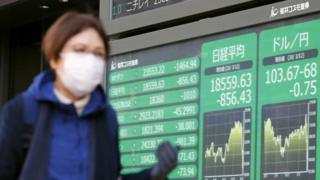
x: 30, y: 108
x: 11, y: 115
x: 15, y: 103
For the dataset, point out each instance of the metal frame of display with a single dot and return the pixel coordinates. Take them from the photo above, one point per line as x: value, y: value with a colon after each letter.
x: 159, y: 15
x: 211, y: 26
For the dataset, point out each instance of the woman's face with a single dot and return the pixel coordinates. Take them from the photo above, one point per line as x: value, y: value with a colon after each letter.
x: 87, y: 41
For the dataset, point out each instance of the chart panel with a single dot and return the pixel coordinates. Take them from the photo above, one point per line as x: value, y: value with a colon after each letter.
x: 288, y: 146
x: 228, y: 82
x: 227, y: 143
x: 288, y: 91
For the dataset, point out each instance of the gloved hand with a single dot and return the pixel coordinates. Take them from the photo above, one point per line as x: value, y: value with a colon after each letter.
x: 167, y: 156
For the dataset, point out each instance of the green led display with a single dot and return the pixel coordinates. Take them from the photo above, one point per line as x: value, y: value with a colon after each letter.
x: 156, y: 99
x: 172, y: 67
x: 241, y: 105
x: 154, y: 85
x: 288, y: 92
x: 228, y: 93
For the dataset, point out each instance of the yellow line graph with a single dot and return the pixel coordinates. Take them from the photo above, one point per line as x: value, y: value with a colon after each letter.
x: 232, y: 151
x: 295, y: 144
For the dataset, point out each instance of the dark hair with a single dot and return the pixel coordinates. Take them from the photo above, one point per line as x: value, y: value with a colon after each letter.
x: 65, y: 27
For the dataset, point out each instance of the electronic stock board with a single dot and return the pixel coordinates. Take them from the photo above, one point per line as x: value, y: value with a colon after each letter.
x: 242, y: 103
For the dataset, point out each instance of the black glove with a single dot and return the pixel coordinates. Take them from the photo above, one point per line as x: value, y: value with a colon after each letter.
x: 167, y: 156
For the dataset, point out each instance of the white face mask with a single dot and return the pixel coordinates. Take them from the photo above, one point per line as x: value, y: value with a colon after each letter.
x: 81, y: 72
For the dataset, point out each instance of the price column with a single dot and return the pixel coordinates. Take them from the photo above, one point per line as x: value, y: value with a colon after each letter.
x: 288, y: 102
x: 228, y: 93
x: 157, y: 103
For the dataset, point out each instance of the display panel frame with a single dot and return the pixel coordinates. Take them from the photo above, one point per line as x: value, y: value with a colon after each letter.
x: 162, y: 14
x: 240, y: 29
x: 210, y: 26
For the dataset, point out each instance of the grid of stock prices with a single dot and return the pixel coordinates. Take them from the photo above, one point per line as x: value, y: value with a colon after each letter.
x: 242, y: 105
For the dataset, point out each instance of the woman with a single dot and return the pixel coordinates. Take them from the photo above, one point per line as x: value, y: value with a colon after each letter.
x: 74, y: 129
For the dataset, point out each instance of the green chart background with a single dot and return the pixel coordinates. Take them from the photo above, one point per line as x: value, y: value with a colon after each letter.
x: 173, y: 76
x: 208, y: 99
x: 279, y: 92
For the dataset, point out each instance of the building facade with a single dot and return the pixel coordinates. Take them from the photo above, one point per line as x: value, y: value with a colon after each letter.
x: 22, y: 25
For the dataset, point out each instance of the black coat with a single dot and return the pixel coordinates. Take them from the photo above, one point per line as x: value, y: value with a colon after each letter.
x: 18, y: 158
